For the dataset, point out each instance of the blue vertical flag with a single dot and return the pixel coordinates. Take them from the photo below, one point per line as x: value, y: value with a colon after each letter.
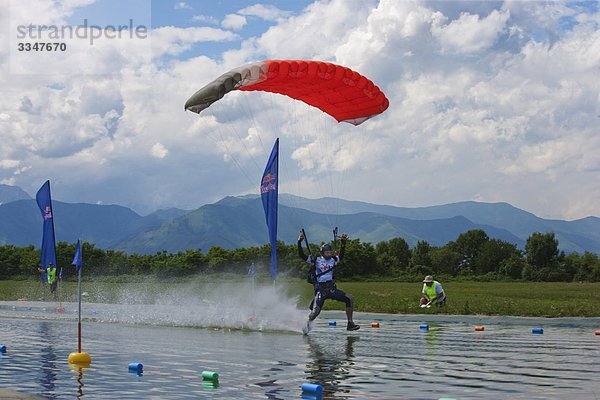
x: 77, y: 260
x: 251, y: 270
x: 268, y: 192
x: 44, y: 202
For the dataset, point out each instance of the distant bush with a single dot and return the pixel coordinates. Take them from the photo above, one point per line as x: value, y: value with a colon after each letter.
x: 473, y: 256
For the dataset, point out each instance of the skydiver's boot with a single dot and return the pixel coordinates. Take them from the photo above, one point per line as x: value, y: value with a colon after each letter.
x: 352, y: 326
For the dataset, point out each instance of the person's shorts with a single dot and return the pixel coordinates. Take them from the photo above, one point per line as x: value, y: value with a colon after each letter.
x: 328, y: 290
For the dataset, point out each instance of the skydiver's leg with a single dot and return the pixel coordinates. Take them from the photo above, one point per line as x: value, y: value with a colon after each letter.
x: 317, y: 304
x: 339, y: 295
x: 312, y: 302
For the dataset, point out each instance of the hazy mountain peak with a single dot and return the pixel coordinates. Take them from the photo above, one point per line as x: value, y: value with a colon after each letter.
x: 12, y: 193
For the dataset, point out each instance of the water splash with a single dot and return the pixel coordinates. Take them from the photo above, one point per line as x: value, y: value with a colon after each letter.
x: 197, y: 303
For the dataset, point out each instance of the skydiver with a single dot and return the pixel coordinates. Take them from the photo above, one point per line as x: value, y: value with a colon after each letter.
x: 324, y: 282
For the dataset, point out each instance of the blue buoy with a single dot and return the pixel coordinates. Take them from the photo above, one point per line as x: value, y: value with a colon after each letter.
x: 312, y: 389
x: 311, y: 396
x: 2, y: 348
x: 538, y: 330
x: 136, y: 367
x: 424, y: 327
x: 332, y: 323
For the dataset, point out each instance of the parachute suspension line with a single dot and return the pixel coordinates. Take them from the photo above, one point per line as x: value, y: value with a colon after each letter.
x: 287, y: 167
x: 317, y: 124
x: 288, y: 139
x: 243, y: 142
x: 296, y: 142
x: 231, y: 154
x: 338, y: 91
x: 342, y: 184
x: 248, y: 111
x: 223, y: 142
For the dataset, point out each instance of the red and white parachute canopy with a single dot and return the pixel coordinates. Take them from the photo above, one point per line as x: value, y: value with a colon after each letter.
x: 338, y: 91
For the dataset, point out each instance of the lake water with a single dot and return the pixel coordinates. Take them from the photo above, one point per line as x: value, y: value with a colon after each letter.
x: 270, y: 359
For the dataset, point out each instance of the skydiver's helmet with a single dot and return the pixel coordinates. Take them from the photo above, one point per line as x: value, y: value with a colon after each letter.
x: 326, y: 251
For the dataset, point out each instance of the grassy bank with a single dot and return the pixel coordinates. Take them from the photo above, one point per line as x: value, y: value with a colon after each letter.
x: 541, y: 299
x: 547, y: 299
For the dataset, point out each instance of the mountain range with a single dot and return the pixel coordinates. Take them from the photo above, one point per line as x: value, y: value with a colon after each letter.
x: 235, y: 222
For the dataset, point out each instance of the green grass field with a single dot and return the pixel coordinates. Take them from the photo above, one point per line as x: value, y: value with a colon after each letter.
x: 542, y: 299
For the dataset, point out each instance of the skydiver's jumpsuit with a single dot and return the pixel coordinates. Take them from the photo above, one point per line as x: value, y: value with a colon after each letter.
x: 325, y: 286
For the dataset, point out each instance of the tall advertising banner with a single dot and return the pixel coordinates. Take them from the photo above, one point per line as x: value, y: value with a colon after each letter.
x: 44, y: 202
x: 268, y: 193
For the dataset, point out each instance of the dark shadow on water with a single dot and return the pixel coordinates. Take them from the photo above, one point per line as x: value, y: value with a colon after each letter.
x: 273, y: 387
x: 48, y: 361
x: 331, y: 363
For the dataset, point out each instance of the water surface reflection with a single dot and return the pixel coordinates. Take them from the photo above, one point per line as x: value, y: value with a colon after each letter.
x: 396, y: 361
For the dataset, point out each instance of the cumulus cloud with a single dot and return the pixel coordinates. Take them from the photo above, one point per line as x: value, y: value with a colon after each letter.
x: 208, y: 19
x: 234, y: 22
x: 173, y: 40
x: 6, y: 164
x: 469, y: 33
x: 268, y: 12
x: 182, y: 5
x: 314, y: 34
x: 159, y: 151
x: 488, y: 101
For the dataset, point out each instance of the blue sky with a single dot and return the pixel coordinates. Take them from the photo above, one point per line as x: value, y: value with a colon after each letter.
x: 493, y: 101
x: 212, y: 14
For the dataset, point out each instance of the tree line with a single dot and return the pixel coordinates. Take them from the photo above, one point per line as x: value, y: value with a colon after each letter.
x: 473, y: 255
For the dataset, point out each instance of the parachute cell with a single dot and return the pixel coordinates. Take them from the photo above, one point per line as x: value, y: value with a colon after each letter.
x: 338, y: 91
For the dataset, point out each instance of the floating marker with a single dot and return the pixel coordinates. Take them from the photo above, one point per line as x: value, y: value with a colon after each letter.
x: 210, y: 376
x: 60, y: 309
x: 14, y: 308
x: 312, y: 389
x: 424, y: 327
x: 374, y: 324
x: 538, y: 330
x: 44, y: 309
x: 82, y: 359
x: 479, y: 328
x: 210, y: 384
x: 332, y: 323
x: 2, y: 349
x: 597, y: 332
x: 311, y: 396
x: 136, y: 367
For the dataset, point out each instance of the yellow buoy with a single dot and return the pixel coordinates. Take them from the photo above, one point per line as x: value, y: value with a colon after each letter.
x: 80, y: 358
